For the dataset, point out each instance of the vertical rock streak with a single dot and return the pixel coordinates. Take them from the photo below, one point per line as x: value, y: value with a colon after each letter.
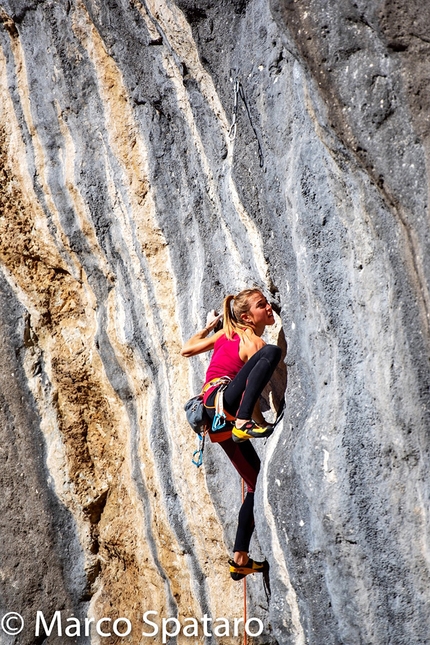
x: 147, y: 236
x: 127, y: 212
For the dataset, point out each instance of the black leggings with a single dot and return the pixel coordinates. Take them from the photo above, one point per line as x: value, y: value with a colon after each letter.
x: 243, y: 392
x: 240, y: 398
x: 247, y: 463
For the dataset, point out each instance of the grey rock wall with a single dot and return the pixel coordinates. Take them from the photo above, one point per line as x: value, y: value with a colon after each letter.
x: 129, y: 207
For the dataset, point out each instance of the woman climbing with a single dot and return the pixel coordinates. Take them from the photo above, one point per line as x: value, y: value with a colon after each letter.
x: 241, y: 355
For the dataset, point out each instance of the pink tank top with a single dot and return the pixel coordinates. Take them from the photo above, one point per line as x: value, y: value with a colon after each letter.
x: 225, y: 360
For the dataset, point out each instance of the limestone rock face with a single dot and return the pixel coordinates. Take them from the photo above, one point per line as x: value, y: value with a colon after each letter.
x: 154, y: 157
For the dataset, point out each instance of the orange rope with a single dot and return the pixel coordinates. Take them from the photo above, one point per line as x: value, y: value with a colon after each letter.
x: 244, y: 583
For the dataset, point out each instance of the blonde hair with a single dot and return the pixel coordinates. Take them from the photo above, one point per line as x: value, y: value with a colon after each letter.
x: 233, y: 314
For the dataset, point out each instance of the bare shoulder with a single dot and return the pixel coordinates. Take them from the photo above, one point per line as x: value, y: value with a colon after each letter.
x: 250, y: 343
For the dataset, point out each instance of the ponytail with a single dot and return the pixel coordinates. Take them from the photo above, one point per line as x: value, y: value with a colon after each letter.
x: 229, y: 319
x: 233, y: 323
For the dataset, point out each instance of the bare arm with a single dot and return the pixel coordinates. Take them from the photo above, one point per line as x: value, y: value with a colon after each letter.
x: 201, y: 342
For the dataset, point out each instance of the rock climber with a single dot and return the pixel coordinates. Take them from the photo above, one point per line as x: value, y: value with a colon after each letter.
x: 239, y: 353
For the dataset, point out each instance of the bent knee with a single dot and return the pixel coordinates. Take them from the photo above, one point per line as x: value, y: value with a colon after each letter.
x: 273, y: 353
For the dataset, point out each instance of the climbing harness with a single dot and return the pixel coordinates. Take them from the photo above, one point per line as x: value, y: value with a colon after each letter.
x: 239, y: 91
x: 199, y: 420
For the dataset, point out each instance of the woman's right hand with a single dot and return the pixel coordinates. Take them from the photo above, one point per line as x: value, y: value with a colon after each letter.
x: 212, y: 320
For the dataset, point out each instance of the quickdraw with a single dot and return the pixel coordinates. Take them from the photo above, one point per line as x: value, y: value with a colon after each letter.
x: 221, y: 417
x: 198, y: 454
x: 239, y: 91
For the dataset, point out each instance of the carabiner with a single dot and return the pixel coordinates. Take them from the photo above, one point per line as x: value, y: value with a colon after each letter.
x: 218, y: 422
x: 199, y: 461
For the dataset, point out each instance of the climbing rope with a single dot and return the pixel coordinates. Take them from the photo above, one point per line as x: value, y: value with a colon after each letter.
x: 239, y: 91
x: 245, y: 640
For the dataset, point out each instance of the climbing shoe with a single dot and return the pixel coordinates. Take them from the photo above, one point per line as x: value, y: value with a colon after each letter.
x: 238, y: 573
x: 251, y: 430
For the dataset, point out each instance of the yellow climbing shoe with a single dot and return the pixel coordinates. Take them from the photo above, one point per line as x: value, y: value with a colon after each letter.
x: 238, y: 573
x: 251, y: 430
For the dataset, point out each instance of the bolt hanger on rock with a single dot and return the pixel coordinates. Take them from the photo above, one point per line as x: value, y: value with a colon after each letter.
x: 240, y: 91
